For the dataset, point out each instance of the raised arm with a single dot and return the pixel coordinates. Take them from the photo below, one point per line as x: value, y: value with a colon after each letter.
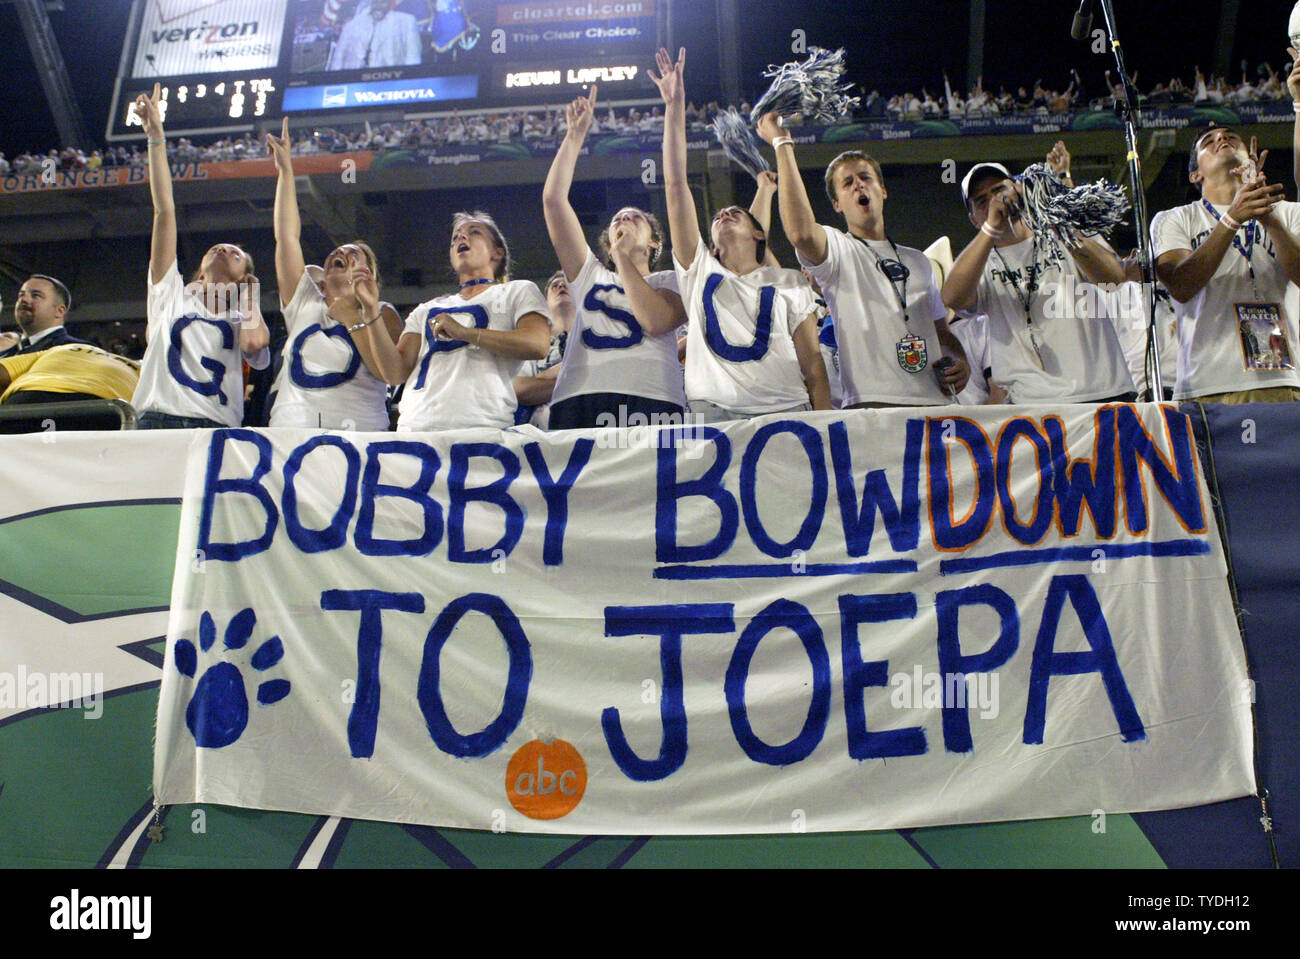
x: 289, y: 264
x: 1097, y: 262
x: 561, y: 222
x: 1058, y: 161
x: 761, y: 210
x: 961, y: 287
x: 797, y: 218
x: 162, y: 249
x: 683, y: 226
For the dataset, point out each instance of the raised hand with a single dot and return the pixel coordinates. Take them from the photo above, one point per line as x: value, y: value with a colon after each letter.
x: 1004, y: 205
x: 1293, y: 78
x: 670, y: 78
x: 279, y: 147
x: 766, y: 182
x: 1255, y: 199
x: 1132, y: 265
x: 367, y: 293
x: 1058, y: 160
x: 579, y: 114
x: 769, y: 126
x: 148, y: 112
x: 623, y: 243
x: 1252, y: 171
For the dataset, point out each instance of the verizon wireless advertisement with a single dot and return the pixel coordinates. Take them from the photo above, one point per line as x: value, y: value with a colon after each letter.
x: 180, y: 37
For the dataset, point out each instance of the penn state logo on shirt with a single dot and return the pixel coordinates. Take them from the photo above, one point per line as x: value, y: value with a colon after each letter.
x: 912, y: 355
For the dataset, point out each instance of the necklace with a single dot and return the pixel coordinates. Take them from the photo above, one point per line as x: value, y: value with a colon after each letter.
x: 1245, y: 250
x: 895, y: 271
x: 1025, y: 296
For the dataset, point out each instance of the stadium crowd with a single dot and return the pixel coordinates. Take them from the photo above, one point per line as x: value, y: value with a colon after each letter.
x: 1024, y: 313
x: 474, y: 128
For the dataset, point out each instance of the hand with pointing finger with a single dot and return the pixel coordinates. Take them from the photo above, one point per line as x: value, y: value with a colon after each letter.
x: 579, y: 114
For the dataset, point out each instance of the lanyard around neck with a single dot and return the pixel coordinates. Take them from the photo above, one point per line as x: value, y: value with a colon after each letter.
x: 1025, y: 296
x: 1251, y: 227
x: 892, y: 269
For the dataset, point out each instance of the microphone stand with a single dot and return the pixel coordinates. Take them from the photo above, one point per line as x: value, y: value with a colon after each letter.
x: 1128, y: 111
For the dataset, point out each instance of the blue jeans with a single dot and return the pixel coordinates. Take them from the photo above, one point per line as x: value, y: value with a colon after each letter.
x: 152, y: 420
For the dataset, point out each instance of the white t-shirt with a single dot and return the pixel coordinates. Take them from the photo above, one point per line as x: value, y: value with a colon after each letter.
x: 1216, y: 354
x: 1065, y: 357
x: 192, y: 365
x: 323, y: 382
x: 882, y: 358
x: 740, y: 347
x: 973, y: 332
x: 454, y: 385
x: 608, y: 351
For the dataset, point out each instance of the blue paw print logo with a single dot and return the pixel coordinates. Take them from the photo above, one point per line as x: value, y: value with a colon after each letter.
x: 218, y: 711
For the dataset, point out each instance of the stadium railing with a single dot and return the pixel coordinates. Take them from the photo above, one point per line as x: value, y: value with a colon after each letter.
x: 76, y: 415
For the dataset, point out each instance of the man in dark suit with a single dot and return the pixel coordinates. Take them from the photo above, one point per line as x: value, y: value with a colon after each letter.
x: 42, y: 304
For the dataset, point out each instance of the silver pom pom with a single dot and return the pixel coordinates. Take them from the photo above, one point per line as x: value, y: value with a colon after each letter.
x: 1066, y: 215
x: 812, y: 89
x: 738, y: 142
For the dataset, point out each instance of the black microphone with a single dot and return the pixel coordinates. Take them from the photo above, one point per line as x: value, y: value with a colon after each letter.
x: 1082, y: 25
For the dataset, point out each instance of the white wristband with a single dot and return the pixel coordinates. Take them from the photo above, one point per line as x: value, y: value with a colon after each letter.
x: 988, y: 231
x: 782, y: 141
x: 1230, y: 223
x: 1296, y: 106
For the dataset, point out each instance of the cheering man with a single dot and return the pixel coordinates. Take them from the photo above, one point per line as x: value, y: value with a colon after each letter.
x: 1042, y: 350
x: 889, y: 322
x: 1226, y: 259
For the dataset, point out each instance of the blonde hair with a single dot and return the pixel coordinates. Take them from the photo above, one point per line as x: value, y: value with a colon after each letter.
x: 845, y: 157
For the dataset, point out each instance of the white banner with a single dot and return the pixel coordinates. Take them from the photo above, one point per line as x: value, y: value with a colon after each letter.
x: 180, y: 37
x: 862, y: 620
x: 71, y: 628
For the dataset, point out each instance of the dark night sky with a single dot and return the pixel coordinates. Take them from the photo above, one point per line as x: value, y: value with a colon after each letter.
x: 892, y: 45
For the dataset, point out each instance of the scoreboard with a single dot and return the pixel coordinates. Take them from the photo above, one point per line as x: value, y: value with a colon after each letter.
x: 225, y: 65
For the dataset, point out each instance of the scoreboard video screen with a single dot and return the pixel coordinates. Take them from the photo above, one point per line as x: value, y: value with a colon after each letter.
x: 225, y: 65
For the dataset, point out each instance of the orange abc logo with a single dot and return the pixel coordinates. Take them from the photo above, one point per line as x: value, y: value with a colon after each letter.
x: 546, y: 780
